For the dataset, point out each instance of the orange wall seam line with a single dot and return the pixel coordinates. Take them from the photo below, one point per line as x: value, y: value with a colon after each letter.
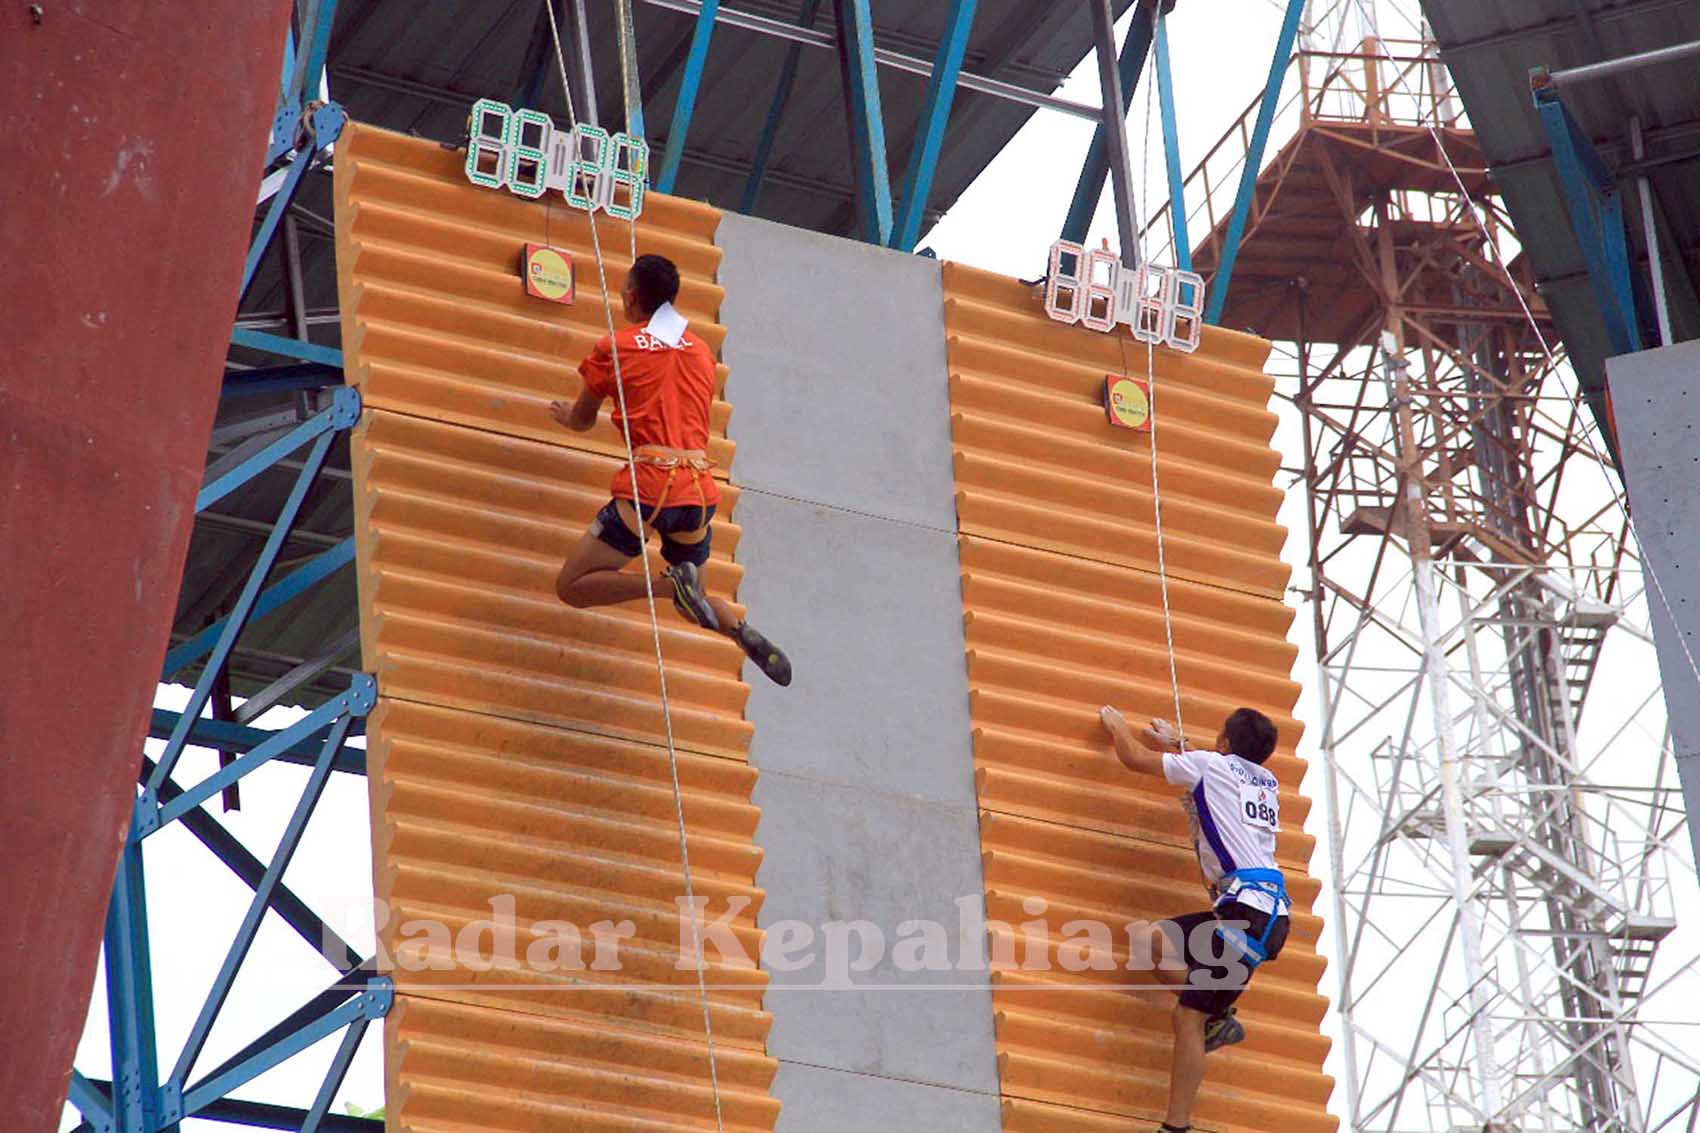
x: 1063, y: 614
x: 517, y: 763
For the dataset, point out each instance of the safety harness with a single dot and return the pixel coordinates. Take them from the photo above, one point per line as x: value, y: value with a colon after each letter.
x: 674, y: 460
x: 1267, y: 881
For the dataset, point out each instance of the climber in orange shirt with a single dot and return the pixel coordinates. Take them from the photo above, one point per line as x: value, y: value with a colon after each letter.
x: 668, y: 376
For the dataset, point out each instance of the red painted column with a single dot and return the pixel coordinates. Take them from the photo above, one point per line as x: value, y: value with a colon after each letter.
x: 131, y: 133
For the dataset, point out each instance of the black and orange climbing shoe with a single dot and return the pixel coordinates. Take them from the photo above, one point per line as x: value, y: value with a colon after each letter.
x: 1167, y: 1128
x: 688, y: 597
x: 769, y: 658
x: 1223, y: 1030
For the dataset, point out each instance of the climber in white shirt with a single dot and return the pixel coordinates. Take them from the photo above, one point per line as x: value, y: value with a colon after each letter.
x: 1232, y: 803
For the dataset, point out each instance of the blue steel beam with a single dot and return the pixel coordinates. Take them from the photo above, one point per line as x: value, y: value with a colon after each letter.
x: 260, y: 902
x: 279, y: 379
x: 304, y: 577
x: 1129, y: 64
x: 226, y: 736
x: 1172, y: 149
x: 308, y: 925
x: 342, y: 413
x: 315, y: 43
x: 263, y: 1115
x: 867, y: 122
x: 92, y: 1102
x: 358, y: 701
x: 244, y: 607
x: 327, y: 122
x: 298, y: 166
x: 776, y: 112
x: 286, y: 347
x: 935, y: 116
x: 690, y: 81
x: 373, y: 1003
x: 129, y: 1001
x: 1253, y: 162
x: 335, y: 1075
x: 1596, y: 216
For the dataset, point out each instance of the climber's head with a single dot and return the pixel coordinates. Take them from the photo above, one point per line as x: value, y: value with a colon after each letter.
x: 1249, y: 734
x: 653, y: 280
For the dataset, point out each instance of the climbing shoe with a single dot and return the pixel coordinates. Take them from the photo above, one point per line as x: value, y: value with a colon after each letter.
x: 1167, y: 1128
x: 769, y: 658
x: 1223, y: 1030
x: 688, y: 597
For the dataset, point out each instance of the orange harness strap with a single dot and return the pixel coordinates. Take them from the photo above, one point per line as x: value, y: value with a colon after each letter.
x: 673, y: 460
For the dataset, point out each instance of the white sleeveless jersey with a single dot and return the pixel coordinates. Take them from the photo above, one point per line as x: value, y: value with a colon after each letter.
x: 1234, y: 808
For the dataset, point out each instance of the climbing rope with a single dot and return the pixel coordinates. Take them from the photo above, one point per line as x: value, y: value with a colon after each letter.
x: 649, y: 595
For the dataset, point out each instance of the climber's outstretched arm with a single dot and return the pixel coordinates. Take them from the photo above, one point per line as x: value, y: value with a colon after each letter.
x: 580, y: 416
x: 1140, y: 751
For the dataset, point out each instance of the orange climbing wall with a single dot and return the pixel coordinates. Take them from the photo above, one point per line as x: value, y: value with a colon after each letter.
x: 1063, y: 614
x: 516, y: 750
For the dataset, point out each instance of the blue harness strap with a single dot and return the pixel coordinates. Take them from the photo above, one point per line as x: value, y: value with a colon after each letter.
x: 1267, y: 881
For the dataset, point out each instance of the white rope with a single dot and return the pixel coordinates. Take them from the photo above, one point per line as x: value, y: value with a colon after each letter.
x: 649, y: 595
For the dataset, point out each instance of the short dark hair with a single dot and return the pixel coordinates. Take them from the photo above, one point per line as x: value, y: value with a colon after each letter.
x: 1251, y: 734
x: 655, y: 279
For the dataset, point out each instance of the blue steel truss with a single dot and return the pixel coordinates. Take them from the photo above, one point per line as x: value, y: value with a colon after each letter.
x: 1253, y: 163
x: 935, y: 116
x: 867, y: 122
x: 141, y: 1098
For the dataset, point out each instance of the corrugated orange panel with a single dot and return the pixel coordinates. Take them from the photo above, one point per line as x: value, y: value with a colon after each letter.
x: 1063, y: 613
x: 517, y: 761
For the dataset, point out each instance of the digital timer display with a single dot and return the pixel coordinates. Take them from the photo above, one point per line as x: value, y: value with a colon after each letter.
x: 521, y: 151
x: 1164, y: 306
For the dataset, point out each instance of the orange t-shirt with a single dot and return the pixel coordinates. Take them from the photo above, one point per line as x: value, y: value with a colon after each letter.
x: 669, y: 391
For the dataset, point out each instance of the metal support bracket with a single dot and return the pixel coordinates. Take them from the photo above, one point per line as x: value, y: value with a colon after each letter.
x: 324, y: 125
x: 1595, y: 205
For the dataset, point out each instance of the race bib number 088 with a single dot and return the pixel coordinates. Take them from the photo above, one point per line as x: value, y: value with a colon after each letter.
x: 1260, y: 807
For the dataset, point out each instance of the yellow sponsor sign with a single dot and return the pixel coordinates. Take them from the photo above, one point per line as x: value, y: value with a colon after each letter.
x: 548, y: 273
x: 1127, y: 402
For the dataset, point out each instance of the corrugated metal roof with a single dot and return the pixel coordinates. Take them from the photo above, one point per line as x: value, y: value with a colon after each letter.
x: 1063, y: 611
x: 1490, y: 46
x: 417, y: 68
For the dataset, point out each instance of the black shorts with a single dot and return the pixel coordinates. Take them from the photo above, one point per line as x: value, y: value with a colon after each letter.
x: 611, y: 528
x: 1216, y: 972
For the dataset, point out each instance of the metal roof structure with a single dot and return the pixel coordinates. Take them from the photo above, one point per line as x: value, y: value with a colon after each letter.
x: 418, y: 69
x: 1490, y: 46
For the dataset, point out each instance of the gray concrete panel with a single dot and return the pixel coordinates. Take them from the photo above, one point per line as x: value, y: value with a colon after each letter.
x: 838, y: 377
x: 834, y: 855
x: 819, y: 1100
x: 870, y: 612
x: 841, y: 414
x: 1656, y: 402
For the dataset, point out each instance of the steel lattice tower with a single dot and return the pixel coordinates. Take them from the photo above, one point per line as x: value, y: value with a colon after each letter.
x: 1504, y: 825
